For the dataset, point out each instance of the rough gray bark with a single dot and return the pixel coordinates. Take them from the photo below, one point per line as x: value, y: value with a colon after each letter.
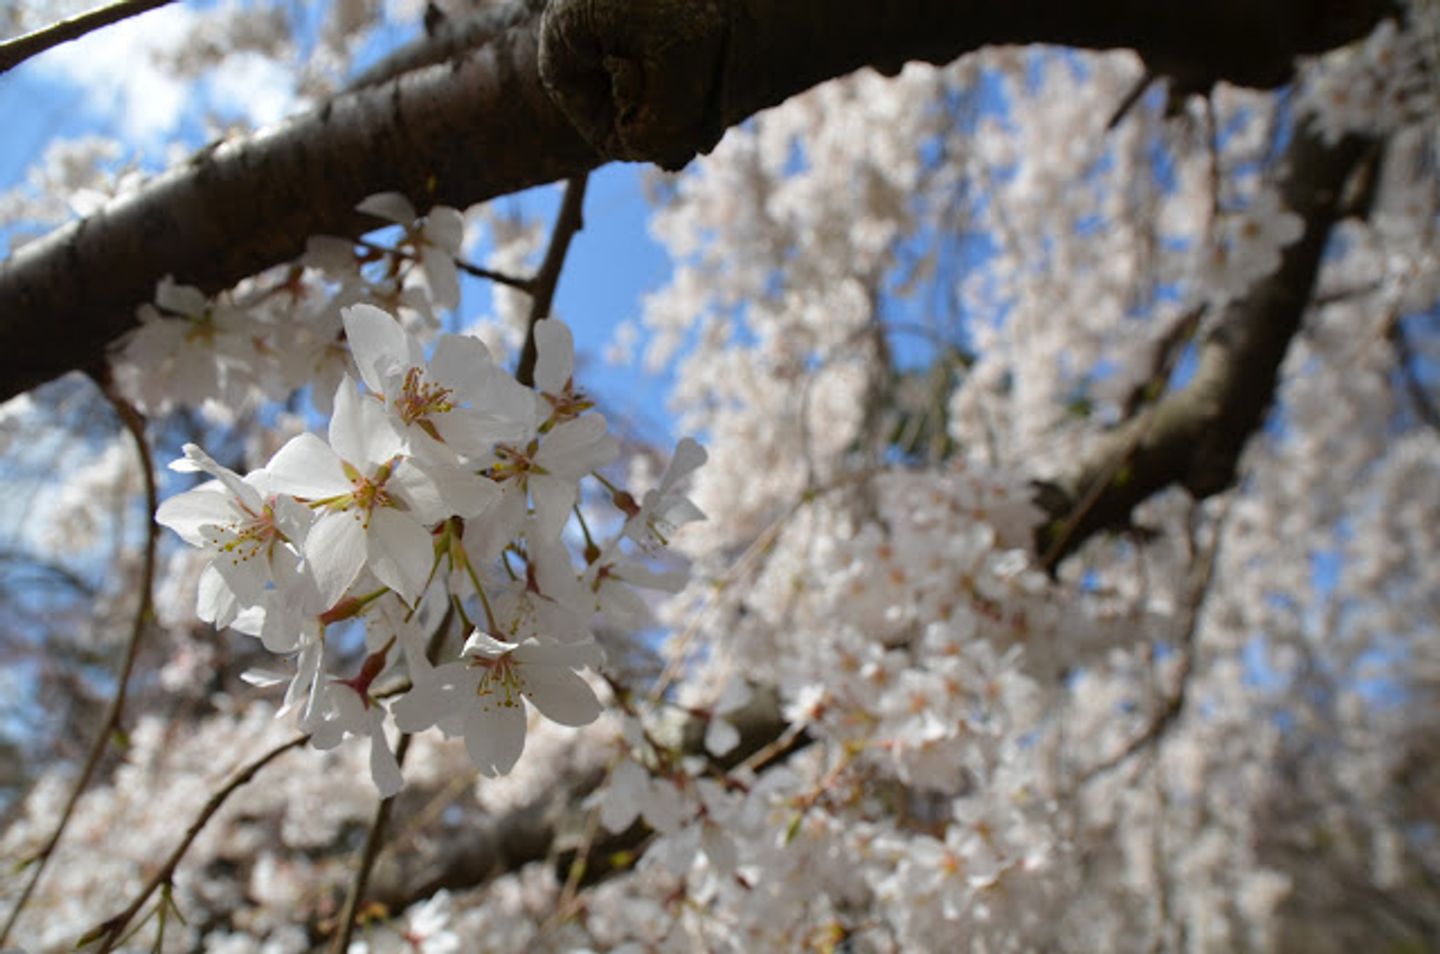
x: 487, y: 123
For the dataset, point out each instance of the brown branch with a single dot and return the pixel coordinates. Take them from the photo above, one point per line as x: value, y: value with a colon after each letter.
x: 480, y: 852
x: 488, y: 124
x: 451, y: 38
x: 374, y: 841
x: 499, y: 278
x: 542, y: 287
x: 1426, y: 407
x: 111, y: 932
x: 380, y: 823
x: 1202, y: 576
x: 1193, y: 437
x: 134, y: 423
x: 16, y: 51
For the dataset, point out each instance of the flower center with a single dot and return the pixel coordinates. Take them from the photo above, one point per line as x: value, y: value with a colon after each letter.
x: 500, y: 680
x: 248, y: 536
x: 419, y: 399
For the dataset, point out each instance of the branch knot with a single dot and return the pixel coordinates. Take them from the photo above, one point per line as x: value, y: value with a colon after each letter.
x: 639, y: 79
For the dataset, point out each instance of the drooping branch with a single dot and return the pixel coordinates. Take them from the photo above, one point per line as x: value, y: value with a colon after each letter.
x: 1193, y: 437
x: 134, y: 424
x: 539, y: 829
x: 592, y: 80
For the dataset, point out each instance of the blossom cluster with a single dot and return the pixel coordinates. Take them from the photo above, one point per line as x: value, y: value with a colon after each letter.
x: 442, y: 480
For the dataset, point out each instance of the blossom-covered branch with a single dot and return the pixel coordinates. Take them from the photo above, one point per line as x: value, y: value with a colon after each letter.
x: 503, y: 117
x: 1194, y: 436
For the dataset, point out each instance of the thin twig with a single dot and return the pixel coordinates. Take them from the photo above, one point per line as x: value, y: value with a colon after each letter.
x: 134, y: 423
x: 1203, y: 575
x: 374, y: 840
x: 17, y: 51
x: 375, y: 837
x: 111, y: 932
x: 542, y: 287
x: 499, y: 278
x: 1425, y: 404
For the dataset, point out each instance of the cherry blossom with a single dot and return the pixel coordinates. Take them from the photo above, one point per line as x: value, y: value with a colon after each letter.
x: 481, y: 696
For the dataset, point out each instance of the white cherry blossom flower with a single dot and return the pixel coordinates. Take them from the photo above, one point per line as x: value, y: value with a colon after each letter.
x: 546, y: 470
x: 459, y: 398
x: 481, y: 697
x: 663, y: 509
x: 373, y: 505
x: 252, y: 533
x: 437, y: 239
x: 345, y: 707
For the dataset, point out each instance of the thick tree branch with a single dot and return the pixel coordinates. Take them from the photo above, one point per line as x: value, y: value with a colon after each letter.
x: 1193, y: 437
x: 637, y: 79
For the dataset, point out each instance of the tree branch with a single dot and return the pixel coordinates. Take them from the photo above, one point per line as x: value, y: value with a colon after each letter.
x: 542, y: 287
x: 16, y: 51
x: 1194, y: 436
x: 134, y: 423
x: 110, y: 932
x: 593, y: 80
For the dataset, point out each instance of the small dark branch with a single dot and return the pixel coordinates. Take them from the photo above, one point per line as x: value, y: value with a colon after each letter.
x: 1142, y: 405
x: 542, y: 286
x: 374, y: 841
x: 499, y: 278
x: 112, y: 931
x: 450, y: 37
x: 1193, y: 437
x: 1130, y: 99
x: 375, y: 837
x: 134, y: 423
x: 16, y: 51
x: 1405, y: 359
x: 1202, y: 575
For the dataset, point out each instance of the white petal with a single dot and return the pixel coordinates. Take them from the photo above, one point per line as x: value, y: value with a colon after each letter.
x: 390, y: 206
x: 554, y: 355
x: 384, y: 768
x: 721, y: 737
x: 554, y: 496
x: 689, y: 457
x: 423, y: 706
x: 400, y: 552
x: 215, y: 602
x: 335, y: 552
x: 359, y: 431
x: 378, y: 343
x: 495, y: 737
x: 186, y: 513
x: 444, y: 491
x: 577, y: 447
x: 307, y: 467
x: 461, y: 361
x: 445, y: 228
x: 482, y: 644
x: 441, y: 276
x: 562, y: 696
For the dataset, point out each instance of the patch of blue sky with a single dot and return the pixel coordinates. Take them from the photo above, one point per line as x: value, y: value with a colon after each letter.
x: 990, y: 99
